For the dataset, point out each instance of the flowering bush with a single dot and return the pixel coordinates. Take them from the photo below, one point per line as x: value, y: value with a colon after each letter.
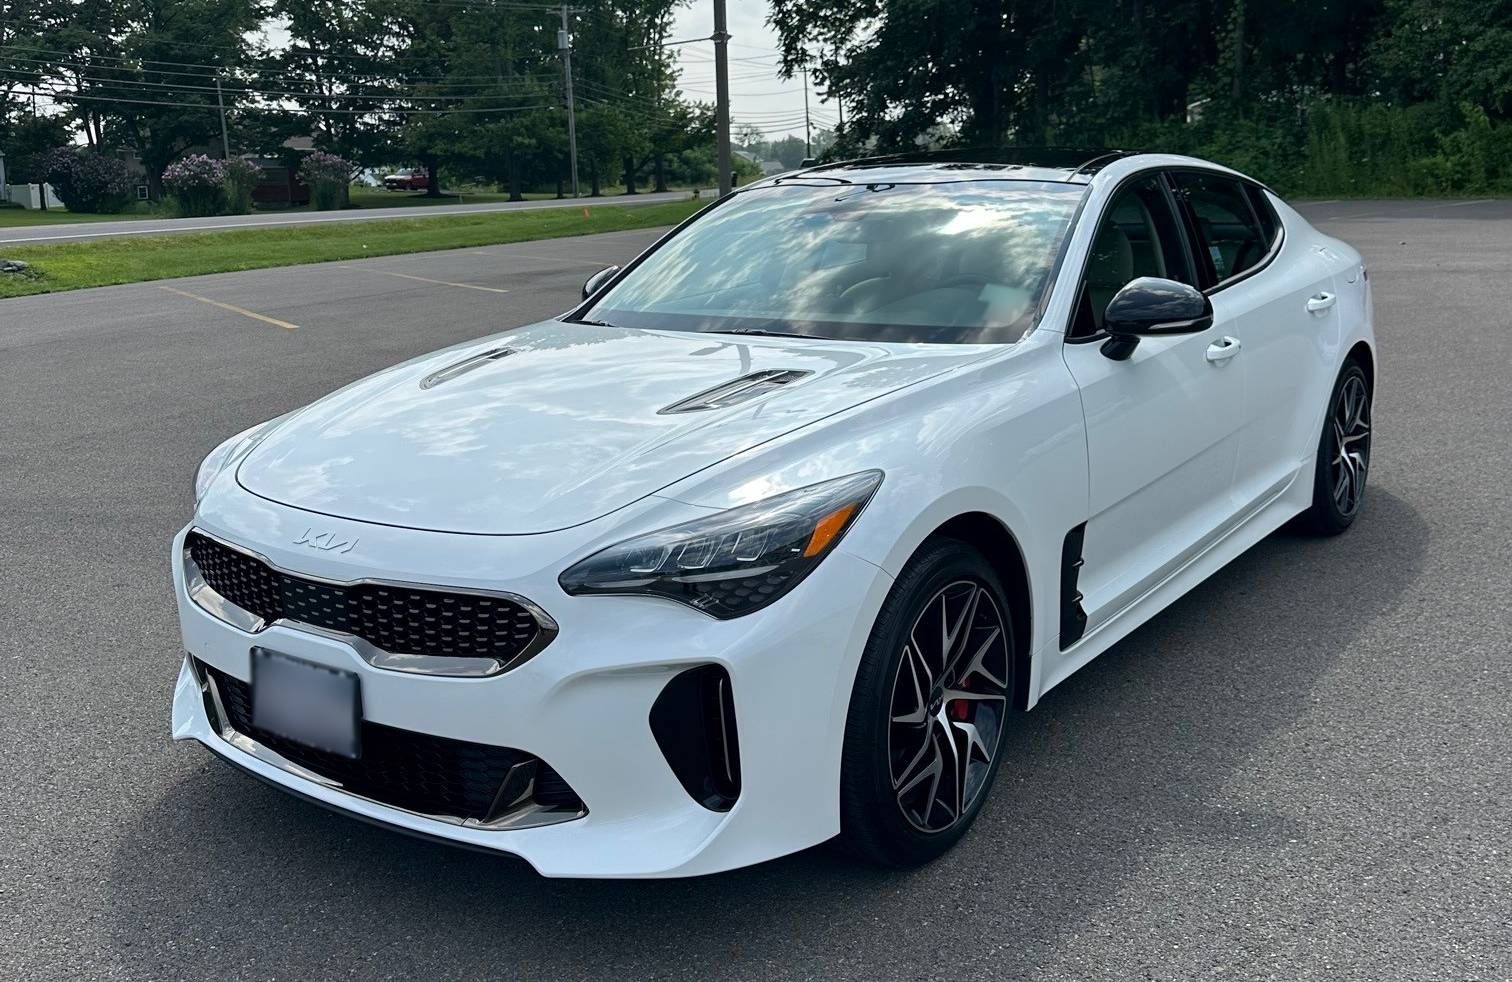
x: 328, y: 177
x: 241, y: 177
x: 204, y: 185
x: 85, y: 180
x: 198, y: 184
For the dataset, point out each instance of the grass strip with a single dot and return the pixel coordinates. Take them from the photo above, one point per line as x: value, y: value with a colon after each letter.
x: 139, y: 258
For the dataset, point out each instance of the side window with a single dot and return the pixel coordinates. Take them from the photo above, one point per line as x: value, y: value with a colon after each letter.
x: 1137, y: 236
x: 1270, y: 224
x: 1231, y: 236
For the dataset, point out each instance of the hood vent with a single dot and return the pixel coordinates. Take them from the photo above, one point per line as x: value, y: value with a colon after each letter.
x: 743, y: 389
x: 464, y: 366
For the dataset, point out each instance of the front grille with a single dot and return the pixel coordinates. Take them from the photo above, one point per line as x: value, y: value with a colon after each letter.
x: 394, y: 619
x: 418, y: 772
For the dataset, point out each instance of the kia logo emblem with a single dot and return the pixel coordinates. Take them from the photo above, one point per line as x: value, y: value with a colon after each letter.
x: 326, y: 542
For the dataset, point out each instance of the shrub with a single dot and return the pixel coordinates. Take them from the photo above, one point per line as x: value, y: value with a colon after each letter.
x: 241, y: 177
x: 198, y: 185
x: 86, y: 181
x: 328, y: 176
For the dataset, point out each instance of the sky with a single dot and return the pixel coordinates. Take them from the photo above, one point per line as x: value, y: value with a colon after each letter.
x: 757, y: 95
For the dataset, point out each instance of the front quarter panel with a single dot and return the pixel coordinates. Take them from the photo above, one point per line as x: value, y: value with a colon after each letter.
x: 1003, y: 437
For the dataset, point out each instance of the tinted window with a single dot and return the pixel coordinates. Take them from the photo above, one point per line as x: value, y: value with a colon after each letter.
x: 1232, y: 239
x: 1270, y: 224
x: 960, y: 262
x: 1138, y: 236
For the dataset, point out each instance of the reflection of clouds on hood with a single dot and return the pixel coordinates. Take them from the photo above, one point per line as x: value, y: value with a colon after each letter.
x: 964, y: 261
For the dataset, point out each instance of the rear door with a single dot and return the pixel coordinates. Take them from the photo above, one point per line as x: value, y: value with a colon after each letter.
x: 1280, y: 300
x: 1162, y: 426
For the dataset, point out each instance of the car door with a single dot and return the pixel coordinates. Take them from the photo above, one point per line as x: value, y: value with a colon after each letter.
x: 1162, y: 427
x: 1281, y: 307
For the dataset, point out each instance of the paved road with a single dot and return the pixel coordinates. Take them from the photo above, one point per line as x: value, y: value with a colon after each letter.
x: 159, y: 226
x: 1300, y: 771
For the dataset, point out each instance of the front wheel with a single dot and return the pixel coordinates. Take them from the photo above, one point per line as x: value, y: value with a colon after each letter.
x: 1343, y: 455
x: 928, y: 711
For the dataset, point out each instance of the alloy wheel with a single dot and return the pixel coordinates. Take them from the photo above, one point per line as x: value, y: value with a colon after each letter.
x: 949, y: 701
x: 1351, y: 444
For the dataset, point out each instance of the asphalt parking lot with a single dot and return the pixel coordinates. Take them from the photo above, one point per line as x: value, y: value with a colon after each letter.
x: 1301, y: 770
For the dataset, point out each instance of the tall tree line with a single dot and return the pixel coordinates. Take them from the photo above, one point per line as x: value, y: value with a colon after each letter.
x: 1277, y: 84
x: 472, y: 87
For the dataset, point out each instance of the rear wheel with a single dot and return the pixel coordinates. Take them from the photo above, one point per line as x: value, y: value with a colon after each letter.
x: 1343, y: 454
x: 928, y: 710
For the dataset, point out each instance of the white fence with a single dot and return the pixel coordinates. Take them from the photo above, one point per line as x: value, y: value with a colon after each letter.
x: 30, y: 195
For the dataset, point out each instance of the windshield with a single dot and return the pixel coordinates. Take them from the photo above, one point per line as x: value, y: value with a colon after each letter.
x: 958, y: 263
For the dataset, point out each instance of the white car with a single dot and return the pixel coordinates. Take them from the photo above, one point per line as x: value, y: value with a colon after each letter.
x: 770, y: 539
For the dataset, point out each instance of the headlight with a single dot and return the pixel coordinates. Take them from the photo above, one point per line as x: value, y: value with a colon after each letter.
x: 737, y: 561
x: 233, y: 449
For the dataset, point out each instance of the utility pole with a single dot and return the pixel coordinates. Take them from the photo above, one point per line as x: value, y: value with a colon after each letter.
x: 564, y: 45
x: 839, y: 102
x: 722, y: 99
x: 225, y: 140
x: 808, y: 135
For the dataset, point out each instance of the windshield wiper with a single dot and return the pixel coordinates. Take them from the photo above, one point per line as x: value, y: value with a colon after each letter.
x: 761, y: 332
x: 584, y: 320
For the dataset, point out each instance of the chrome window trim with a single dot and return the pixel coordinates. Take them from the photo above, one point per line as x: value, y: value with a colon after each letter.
x: 459, y: 666
x: 515, y: 791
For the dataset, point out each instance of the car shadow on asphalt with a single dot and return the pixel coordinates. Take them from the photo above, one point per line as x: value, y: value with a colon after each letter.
x: 1150, y: 750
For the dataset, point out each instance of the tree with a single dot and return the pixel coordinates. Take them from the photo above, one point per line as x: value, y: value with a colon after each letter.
x: 141, y: 74
x: 1450, y: 51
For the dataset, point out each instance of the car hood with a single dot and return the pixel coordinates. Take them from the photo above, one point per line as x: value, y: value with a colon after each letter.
x: 556, y: 424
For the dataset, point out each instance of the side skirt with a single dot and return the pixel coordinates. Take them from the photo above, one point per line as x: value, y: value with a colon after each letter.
x: 1291, y: 501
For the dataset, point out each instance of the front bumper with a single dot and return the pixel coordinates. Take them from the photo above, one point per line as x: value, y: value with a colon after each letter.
x: 583, y: 704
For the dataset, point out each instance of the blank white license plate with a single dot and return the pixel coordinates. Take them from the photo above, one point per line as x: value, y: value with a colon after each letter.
x: 317, y: 706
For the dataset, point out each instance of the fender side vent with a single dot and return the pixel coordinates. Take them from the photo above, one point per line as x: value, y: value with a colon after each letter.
x: 743, y: 389
x: 464, y: 366
x: 1073, y: 619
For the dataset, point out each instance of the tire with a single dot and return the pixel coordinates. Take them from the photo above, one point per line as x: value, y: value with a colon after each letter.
x: 905, y: 796
x: 1339, y: 480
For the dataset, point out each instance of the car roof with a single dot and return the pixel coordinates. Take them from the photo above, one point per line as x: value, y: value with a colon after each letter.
x: 1059, y: 164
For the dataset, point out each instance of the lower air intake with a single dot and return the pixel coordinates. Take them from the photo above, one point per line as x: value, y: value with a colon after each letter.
x: 693, y: 721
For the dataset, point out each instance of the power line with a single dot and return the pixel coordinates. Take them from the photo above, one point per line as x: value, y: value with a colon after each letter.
x: 184, y: 87
x: 79, y: 96
x: 133, y: 65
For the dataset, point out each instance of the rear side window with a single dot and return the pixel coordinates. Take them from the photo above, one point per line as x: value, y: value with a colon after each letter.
x: 1232, y: 237
x: 1269, y: 222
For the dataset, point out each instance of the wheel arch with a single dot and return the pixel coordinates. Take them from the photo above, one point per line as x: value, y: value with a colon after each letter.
x: 1364, y: 355
x: 1000, y: 547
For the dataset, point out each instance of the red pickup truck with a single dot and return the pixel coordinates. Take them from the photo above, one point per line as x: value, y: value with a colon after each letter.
x: 411, y: 180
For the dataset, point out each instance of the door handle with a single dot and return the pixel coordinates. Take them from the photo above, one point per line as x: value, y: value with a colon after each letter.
x: 1223, y: 349
x: 1320, y: 303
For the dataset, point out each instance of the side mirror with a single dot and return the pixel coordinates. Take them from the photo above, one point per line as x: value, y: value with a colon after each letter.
x: 1150, y: 305
x: 597, y: 280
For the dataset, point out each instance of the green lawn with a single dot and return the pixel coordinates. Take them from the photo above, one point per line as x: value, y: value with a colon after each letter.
x: 103, y: 262
x: 361, y: 198
x: 22, y: 217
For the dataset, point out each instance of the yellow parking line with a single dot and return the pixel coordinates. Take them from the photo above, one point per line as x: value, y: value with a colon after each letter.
x: 601, y: 263
x: 426, y: 279
x: 233, y: 308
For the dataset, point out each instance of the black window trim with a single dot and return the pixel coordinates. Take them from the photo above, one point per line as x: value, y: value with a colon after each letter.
x: 1187, y: 233
x: 1216, y: 285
